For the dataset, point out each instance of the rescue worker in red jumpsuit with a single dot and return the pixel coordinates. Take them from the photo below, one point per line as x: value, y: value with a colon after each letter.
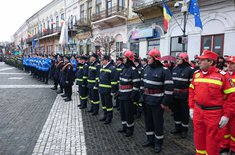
x: 208, y: 108
x: 158, y: 93
x: 228, y: 132
x: 182, y: 76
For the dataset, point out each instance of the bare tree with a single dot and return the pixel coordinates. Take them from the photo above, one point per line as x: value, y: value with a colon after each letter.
x: 106, y: 42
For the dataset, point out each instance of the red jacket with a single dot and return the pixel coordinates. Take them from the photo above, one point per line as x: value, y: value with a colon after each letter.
x: 209, y: 90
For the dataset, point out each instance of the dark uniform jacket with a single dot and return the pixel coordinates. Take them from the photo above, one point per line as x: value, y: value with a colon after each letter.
x: 66, y: 78
x: 119, y: 69
x: 79, y: 74
x: 93, y: 75
x: 108, y: 80
x: 182, y: 77
x: 158, y: 85
x: 129, y: 85
x: 58, y: 67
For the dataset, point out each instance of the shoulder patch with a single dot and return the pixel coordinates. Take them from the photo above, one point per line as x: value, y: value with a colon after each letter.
x: 165, y: 67
x: 191, y: 67
x: 222, y: 72
x: 133, y: 68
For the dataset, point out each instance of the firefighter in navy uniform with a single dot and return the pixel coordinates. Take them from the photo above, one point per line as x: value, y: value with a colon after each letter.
x: 67, y: 78
x: 129, y: 87
x: 158, y: 91
x: 93, y: 80
x: 81, y: 81
x: 58, y: 65
x: 119, y: 68
x: 138, y: 105
x: 182, y: 75
x: 107, y: 87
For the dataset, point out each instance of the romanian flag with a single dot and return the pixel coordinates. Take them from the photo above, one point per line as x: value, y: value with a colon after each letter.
x: 166, y: 16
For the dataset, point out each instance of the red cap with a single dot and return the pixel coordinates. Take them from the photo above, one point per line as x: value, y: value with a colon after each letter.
x: 208, y: 55
x: 231, y: 59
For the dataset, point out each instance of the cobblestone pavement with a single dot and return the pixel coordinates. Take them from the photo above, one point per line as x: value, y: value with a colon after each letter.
x: 23, y: 112
x: 69, y: 130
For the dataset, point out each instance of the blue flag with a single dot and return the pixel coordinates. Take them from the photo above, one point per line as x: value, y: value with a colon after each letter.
x: 194, y: 10
x: 34, y: 42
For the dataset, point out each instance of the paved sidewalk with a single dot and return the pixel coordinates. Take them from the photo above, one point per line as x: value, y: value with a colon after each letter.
x: 63, y: 131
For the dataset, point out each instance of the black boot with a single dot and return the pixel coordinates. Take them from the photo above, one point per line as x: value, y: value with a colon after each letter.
x: 177, y: 129
x: 95, y: 110
x: 54, y: 88
x: 63, y: 95
x: 129, y: 131
x: 123, y: 129
x: 109, y: 117
x: 158, y: 145
x: 60, y: 91
x: 67, y: 99
x: 149, y: 142
x: 104, y: 116
x: 83, y: 105
x: 184, y: 132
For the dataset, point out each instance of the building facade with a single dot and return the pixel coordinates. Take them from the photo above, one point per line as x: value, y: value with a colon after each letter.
x: 113, y: 26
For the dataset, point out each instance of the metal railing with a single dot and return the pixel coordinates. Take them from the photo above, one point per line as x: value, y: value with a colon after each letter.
x: 83, y: 22
x: 143, y: 4
x: 115, y: 10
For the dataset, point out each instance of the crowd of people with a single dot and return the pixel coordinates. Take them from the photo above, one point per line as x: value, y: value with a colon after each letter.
x: 202, y: 90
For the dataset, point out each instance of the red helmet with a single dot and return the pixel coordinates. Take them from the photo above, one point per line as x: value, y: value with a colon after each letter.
x: 184, y: 56
x: 155, y: 54
x: 130, y: 55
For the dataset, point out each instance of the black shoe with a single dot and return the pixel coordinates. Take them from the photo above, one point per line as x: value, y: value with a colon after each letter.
x: 82, y: 107
x: 158, y: 148
x: 148, y: 143
x: 103, y: 118
x: 108, y: 121
x: 67, y: 99
x: 183, y: 135
x: 175, y: 132
x: 63, y: 95
x: 54, y: 88
x: 128, y: 133
x: 122, y: 130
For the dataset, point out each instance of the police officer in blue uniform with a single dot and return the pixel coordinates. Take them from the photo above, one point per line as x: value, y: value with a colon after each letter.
x: 129, y: 87
x: 107, y: 87
x: 182, y: 76
x: 158, y: 93
x: 46, y: 64
x: 93, y: 80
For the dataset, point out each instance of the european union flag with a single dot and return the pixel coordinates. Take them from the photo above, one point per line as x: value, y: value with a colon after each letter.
x: 194, y: 10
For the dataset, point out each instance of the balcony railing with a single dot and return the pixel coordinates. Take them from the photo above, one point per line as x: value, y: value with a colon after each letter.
x: 83, y: 22
x: 115, y: 10
x: 145, y: 4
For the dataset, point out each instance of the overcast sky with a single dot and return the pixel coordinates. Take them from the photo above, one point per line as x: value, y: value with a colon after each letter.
x: 13, y: 13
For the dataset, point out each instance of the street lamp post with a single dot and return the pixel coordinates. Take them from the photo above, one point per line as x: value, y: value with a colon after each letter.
x: 184, y: 10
